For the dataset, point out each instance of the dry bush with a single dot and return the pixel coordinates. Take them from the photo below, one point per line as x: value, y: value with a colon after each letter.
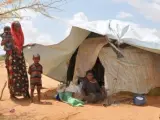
x: 10, y: 9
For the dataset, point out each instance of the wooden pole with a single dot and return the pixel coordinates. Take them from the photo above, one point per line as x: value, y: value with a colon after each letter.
x: 5, y: 84
x: 120, y: 55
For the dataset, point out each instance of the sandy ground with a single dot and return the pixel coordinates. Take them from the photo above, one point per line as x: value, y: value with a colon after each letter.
x: 23, y: 110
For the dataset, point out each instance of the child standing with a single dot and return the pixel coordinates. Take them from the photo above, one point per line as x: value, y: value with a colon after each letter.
x: 35, y: 71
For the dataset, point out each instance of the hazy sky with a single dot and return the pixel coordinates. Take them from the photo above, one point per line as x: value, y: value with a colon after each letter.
x: 43, y: 30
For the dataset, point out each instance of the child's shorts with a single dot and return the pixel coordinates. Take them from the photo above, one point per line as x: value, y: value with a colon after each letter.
x: 37, y: 84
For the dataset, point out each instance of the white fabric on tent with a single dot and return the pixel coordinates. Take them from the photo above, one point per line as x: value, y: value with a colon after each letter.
x: 135, y: 72
x: 124, y: 32
x: 87, y: 56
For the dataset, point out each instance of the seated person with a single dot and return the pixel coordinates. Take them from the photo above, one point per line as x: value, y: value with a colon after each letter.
x: 91, y: 90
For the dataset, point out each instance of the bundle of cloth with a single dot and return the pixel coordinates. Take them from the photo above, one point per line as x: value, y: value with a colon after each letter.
x: 70, y: 95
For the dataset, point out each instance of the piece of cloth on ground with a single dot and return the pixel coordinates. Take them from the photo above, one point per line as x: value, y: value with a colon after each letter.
x: 67, y: 98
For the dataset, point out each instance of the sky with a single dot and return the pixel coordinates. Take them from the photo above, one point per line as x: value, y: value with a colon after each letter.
x: 39, y: 29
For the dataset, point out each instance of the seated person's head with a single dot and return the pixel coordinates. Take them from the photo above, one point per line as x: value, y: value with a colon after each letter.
x: 90, y: 75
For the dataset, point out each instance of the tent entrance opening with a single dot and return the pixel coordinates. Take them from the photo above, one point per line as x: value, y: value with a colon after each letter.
x: 99, y: 71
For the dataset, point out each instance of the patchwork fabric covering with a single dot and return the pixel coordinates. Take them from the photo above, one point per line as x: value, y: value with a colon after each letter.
x: 137, y: 72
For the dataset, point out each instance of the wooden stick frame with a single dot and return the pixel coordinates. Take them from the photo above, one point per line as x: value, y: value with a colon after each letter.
x: 118, y: 52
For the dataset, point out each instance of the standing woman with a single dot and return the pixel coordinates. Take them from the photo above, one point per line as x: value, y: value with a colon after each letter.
x: 20, y: 84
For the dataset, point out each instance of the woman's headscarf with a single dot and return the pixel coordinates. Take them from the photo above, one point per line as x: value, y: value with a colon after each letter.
x: 17, y: 36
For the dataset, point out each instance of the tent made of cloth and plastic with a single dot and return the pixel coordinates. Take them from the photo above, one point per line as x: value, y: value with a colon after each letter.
x: 86, y: 48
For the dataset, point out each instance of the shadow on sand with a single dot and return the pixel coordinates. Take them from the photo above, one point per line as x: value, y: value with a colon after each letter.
x: 153, y: 101
x: 45, y: 96
x: 122, y: 98
x: 21, y: 101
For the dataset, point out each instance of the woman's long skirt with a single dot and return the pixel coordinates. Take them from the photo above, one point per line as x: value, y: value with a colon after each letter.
x: 17, y: 75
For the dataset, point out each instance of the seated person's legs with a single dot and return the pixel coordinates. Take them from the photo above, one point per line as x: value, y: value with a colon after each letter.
x: 89, y: 98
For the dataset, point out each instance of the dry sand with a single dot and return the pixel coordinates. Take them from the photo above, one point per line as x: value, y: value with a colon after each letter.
x: 24, y: 110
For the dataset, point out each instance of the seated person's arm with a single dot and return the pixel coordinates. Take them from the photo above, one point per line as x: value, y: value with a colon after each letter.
x: 100, y: 89
x: 83, y: 90
x: 103, y: 90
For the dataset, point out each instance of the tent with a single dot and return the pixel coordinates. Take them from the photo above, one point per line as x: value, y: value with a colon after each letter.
x: 88, y: 46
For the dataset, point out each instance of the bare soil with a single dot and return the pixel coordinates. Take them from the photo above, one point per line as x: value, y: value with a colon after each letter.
x: 53, y: 110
